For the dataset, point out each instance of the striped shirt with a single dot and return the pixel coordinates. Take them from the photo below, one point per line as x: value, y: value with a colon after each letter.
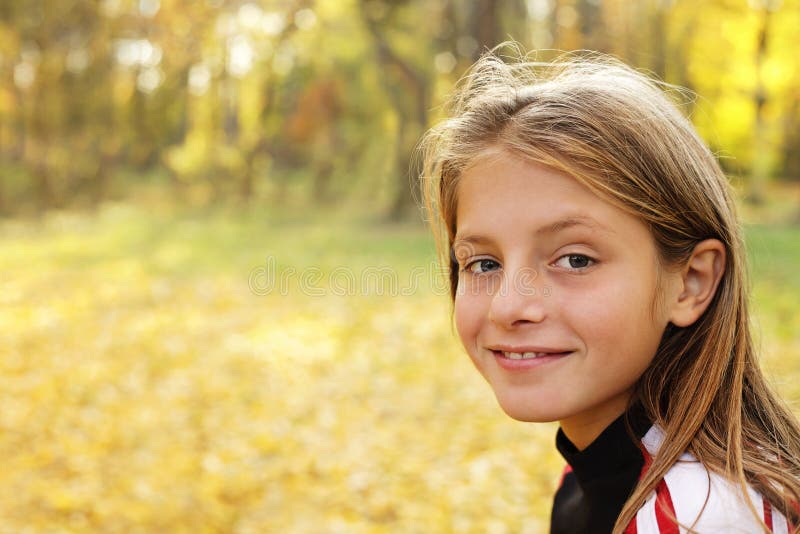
x: 598, y: 480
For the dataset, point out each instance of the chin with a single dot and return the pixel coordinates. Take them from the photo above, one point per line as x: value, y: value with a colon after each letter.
x: 527, y: 412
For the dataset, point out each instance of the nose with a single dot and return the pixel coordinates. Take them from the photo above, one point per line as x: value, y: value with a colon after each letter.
x: 518, y: 300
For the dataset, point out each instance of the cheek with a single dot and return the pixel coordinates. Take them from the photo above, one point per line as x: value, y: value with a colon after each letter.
x: 618, y: 321
x: 469, y: 314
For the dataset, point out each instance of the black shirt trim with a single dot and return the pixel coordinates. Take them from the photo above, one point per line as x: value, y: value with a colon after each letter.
x: 603, y: 476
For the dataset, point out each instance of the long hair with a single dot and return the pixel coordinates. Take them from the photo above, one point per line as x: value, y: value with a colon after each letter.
x: 622, y: 134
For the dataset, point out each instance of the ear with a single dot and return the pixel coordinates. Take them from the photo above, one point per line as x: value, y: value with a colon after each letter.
x: 698, y: 282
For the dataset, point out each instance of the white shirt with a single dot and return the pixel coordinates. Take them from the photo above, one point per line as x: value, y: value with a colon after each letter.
x: 703, y: 502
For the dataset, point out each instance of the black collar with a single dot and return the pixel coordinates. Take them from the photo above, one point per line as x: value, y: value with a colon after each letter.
x: 613, y: 449
x: 603, y: 476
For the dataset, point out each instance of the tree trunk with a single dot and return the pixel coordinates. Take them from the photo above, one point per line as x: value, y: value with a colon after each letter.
x: 41, y: 179
x: 408, y: 90
x: 3, y: 207
x: 555, y: 31
x: 322, y: 181
x: 37, y: 151
x: 591, y: 25
x: 791, y: 141
x: 485, y: 25
x: 760, y: 166
x: 659, y: 40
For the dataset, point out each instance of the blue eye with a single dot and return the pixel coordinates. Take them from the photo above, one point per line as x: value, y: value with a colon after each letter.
x: 481, y: 266
x: 575, y: 261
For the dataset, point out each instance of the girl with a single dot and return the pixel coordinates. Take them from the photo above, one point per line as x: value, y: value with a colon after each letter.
x: 598, y: 276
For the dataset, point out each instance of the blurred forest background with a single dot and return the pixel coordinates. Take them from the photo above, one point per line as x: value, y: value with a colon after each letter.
x: 318, y: 101
x: 159, y: 158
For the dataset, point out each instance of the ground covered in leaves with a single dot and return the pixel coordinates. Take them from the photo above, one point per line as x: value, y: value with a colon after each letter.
x: 154, y: 379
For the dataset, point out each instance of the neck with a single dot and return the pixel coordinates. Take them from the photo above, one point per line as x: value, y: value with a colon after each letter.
x: 584, y: 427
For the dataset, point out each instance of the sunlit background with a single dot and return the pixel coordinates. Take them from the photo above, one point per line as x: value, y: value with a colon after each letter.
x: 219, y: 307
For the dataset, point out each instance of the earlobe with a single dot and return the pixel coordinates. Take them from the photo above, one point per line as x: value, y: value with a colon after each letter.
x: 700, y: 278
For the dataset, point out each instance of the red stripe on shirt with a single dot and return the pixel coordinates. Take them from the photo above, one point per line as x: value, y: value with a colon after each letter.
x: 767, y: 514
x: 665, y: 511
x: 564, y: 473
x: 631, y: 527
x: 666, y: 518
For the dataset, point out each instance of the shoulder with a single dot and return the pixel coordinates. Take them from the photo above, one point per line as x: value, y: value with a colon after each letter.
x: 701, y: 500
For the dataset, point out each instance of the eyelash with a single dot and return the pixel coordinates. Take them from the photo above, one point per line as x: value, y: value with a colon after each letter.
x: 468, y: 266
x: 592, y: 261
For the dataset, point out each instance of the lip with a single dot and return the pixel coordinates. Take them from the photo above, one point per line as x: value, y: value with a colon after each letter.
x: 522, y: 365
x: 526, y: 348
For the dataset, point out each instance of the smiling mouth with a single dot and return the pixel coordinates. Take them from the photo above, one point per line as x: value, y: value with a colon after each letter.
x: 528, y: 355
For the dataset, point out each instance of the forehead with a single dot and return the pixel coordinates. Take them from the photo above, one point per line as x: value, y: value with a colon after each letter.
x: 499, y: 190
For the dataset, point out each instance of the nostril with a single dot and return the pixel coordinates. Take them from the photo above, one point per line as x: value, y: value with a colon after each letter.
x: 516, y: 310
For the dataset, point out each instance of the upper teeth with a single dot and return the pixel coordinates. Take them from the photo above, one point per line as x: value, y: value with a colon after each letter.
x: 523, y: 355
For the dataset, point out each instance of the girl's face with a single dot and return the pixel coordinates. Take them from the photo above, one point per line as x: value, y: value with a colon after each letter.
x: 551, y: 269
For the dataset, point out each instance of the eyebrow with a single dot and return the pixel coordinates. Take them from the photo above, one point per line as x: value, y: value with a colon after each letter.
x: 548, y: 229
x: 568, y: 222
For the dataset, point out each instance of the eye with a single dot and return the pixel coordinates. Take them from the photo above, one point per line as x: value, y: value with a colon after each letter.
x: 575, y: 261
x: 481, y: 266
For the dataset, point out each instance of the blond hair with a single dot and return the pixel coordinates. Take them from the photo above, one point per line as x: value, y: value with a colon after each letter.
x: 621, y: 133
